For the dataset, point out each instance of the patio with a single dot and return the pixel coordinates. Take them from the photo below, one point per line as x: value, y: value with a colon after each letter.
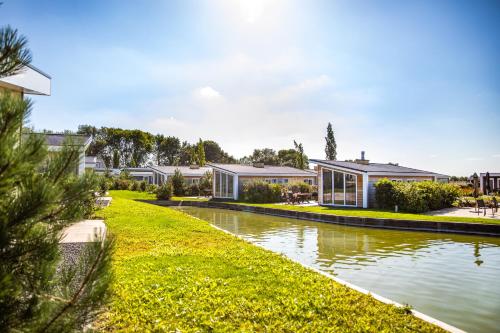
x: 465, y: 212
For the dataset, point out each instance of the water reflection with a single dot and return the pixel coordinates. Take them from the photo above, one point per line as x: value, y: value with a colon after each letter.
x: 454, y: 278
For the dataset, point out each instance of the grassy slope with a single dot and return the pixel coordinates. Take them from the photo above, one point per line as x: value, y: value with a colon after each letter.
x: 173, y: 272
x: 374, y: 213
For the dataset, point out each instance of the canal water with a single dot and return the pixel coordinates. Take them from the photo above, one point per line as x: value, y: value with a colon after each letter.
x: 453, y: 278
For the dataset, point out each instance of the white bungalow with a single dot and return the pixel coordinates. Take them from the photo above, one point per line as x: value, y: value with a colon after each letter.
x: 351, y: 183
x: 228, y: 179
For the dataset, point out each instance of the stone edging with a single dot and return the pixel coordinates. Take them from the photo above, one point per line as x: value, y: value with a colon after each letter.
x: 415, y: 225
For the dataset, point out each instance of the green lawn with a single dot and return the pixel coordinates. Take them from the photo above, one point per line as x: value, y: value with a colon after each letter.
x: 176, y: 273
x: 376, y: 213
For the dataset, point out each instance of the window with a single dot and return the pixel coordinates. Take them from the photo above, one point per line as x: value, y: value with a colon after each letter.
x: 223, y: 185
x: 276, y: 180
x: 327, y: 186
x: 350, y: 189
x: 230, y: 183
x: 217, y: 183
x: 338, y: 188
x: 308, y: 181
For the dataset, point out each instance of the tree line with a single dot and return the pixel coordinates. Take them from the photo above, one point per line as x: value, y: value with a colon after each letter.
x: 119, y: 148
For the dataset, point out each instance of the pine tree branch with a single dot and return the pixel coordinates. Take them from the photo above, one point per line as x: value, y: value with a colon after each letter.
x: 75, y: 297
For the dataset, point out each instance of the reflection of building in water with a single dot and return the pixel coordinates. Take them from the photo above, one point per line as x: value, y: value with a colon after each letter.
x: 337, y: 241
x: 334, y: 242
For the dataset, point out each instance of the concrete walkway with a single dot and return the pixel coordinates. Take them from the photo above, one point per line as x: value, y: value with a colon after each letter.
x: 465, y: 212
x: 84, y: 232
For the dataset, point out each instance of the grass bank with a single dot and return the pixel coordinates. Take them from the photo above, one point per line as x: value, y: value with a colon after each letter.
x: 177, y: 273
x: 375, y: 213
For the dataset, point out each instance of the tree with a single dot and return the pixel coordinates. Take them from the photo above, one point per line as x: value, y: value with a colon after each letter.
x: 200, y: 152
x: 39, y: 196
x: 331, y: 145
x: 215, y: 154
x: 15, y: 54
x: 301, y: 158
x: 267, y: 156
x: 186, y: 155
x: 178, y: 183
x: 206, y: 182
x: 167, y: 149
x: 287, y: 157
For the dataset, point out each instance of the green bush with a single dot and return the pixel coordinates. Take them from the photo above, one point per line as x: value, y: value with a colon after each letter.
x: 135, y: 186
x: 104, y: 184
x: 121, y: 184
x: 143, y: 186
x: 299, y: 187
x: 151, y: 188
x: 415, y: 197
x: 385, y: 194
x: 206, y: 183
x: 164, y: 192
x: 409, y: 198
x: 193, y: 190
x: 262, y: 192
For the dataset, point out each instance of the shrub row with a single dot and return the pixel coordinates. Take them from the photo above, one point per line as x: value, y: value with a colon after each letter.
x: 415, y: 197
x: 262, y: 192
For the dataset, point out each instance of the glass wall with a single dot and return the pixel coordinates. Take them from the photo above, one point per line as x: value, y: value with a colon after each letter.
x: 223, y: 183
x: 327, y: 186
x: 339, y: 188
x: 217, y: 183
x: 350, y: 189
x: 230, y: 185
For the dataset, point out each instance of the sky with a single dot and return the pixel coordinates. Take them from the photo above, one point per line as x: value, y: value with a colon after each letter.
x: 410, y: 82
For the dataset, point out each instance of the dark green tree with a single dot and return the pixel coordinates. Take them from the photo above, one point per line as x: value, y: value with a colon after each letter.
x: 186, y: 155
x: 166, y: 149
x: 15, y: 55
x: 200, y: 153
x: 287, y: 157
x: 178, y: 183
x: 39, y: 196
x: 301, y: 161
x: 267, y: 156
x: 331, y: 145
x: 215, y: 154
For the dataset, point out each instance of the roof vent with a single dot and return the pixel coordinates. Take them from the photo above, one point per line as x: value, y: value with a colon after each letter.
x: 258, y: 165
x: 194, y: 166
x: 362, y: 160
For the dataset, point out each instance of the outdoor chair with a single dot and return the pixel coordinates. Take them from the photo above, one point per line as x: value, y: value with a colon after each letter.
x: 480, y: 204
x: 494, y: 206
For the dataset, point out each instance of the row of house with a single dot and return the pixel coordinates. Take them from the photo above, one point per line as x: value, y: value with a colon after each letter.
x: 340, y: 183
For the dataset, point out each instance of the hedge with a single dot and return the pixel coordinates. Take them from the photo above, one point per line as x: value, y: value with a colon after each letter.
x: 415, y: 197
x: 262, y: 192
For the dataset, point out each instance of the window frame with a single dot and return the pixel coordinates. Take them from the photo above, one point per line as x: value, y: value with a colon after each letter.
x: 344, y: 173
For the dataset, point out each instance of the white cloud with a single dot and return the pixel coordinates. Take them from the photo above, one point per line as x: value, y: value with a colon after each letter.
x: 208, y: 92
x: 495, y: 155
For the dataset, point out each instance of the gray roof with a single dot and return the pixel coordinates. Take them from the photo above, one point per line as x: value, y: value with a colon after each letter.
x: 185, y: 170
x: 382, y: 168
x: 267, y: 170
